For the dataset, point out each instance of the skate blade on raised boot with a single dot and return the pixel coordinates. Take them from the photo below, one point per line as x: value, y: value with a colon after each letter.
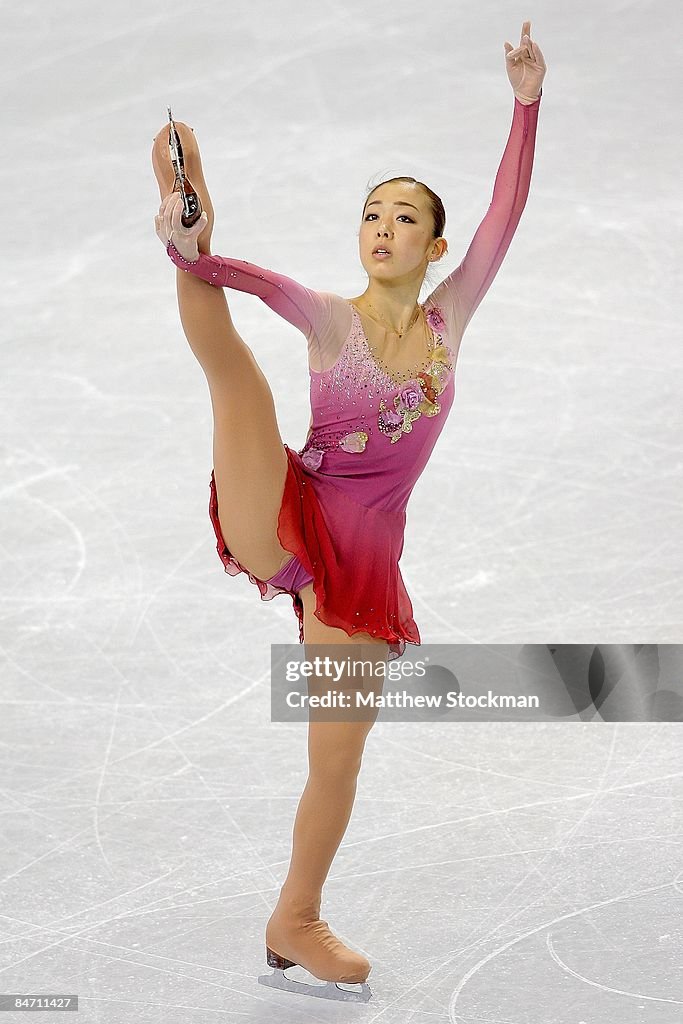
x: 192, y: 204
x: 323, y: 990
x: 189, y: 163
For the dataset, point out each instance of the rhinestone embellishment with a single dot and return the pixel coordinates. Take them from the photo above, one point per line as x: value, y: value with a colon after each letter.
x: 417, y: 398
x: 313, y: 451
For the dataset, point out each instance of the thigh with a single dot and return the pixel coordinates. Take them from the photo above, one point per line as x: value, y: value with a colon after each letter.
x: 317, y: 632
x: 250, y: 463
x: 337, y: 740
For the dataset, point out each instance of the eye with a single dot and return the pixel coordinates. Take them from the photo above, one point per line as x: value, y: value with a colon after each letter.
x: 409, y: 219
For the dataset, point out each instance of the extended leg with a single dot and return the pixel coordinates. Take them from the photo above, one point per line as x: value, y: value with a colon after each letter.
x: 249, y: 459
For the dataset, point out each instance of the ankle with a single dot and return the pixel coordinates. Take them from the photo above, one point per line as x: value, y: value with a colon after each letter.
x: 293, y: 901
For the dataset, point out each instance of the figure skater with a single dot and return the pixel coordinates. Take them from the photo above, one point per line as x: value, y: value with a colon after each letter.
x: 325, y: 524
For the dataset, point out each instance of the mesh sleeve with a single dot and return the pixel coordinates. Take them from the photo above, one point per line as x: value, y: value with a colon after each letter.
x: 309, y: 311
x: 463, y: 289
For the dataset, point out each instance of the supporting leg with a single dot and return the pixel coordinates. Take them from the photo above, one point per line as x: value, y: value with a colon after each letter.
x: 295, y: 934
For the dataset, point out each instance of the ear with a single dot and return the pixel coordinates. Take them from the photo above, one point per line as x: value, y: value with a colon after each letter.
x: 439, y: 249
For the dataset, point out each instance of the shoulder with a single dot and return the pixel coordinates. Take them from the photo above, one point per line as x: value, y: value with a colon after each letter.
x: 335, y: 299
x: 338, y: 306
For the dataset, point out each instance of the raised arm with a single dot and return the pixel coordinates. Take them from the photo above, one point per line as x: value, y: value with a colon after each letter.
x: 302, y: 307
x: 307, y: 310
x: 466, y: 286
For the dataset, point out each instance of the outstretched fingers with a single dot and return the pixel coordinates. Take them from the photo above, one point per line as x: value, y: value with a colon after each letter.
x: 528, y: 49
x: 526, y: 46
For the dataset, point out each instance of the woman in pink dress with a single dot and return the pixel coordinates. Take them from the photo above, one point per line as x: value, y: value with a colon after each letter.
x: 325, y: 524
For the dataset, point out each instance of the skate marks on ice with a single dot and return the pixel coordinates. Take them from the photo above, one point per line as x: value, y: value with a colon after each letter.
x: 592, y: 972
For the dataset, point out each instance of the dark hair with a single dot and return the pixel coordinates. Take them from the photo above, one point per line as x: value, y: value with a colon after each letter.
x: 437, y: 208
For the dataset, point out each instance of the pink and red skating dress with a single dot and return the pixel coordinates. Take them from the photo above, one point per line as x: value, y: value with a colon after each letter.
x: 343, y: 510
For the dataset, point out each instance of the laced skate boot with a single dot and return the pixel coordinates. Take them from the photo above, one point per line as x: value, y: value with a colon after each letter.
x: 167, y: 178
x: 295, y: 936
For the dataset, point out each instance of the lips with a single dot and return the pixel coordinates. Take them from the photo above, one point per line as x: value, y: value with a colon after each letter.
x: 380, y: 250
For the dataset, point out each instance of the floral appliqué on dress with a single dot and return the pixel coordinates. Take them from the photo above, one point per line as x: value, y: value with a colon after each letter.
x: 419, y: 396
x: 409, y: 402
x: 313, y: 456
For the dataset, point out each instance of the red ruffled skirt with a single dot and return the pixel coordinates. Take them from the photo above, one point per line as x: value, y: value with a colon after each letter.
x: 348, y: 551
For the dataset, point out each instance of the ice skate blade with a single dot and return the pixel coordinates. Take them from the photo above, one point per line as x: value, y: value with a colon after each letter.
x: 330, y: 990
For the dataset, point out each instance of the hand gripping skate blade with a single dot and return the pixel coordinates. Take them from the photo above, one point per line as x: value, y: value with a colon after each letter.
x: 330, y: 990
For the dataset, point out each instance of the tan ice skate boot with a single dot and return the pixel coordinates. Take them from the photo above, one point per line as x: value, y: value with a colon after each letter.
x: 295, y: 936
x: 167, y: 178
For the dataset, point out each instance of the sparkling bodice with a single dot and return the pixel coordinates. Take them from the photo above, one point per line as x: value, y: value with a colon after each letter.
x: 369, y: 430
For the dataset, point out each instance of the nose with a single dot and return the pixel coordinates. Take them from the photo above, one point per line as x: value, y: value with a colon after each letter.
x: 384, y: 230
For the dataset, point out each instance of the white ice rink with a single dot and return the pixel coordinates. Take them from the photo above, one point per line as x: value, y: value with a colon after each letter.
x: 495, y: 873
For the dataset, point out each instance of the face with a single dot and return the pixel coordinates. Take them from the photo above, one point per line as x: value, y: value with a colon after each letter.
x: 397, y: 217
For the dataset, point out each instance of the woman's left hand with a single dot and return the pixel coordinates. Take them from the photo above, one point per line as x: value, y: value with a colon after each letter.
x: 525, y: 67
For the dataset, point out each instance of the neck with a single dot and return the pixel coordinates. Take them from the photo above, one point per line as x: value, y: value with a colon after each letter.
x: 396, y: 303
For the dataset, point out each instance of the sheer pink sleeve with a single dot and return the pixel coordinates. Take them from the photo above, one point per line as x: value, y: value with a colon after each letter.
x: 463, y: 289
x: 305, y: 309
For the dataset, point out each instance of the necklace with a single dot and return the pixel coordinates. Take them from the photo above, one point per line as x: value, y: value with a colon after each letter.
x: 393, y: 329
x: 396, y: 375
